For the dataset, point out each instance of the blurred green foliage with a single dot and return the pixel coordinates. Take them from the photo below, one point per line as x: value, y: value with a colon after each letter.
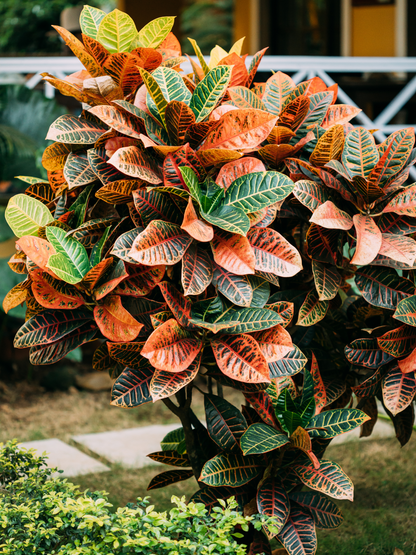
x: 209, y: 22
x: 25, y: 25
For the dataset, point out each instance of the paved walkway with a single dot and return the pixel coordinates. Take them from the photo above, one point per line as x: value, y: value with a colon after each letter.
x: 131, y: 447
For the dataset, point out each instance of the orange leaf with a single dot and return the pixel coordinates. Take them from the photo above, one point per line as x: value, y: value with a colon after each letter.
x: 115, y: 322
x: 171, y: 348
x: 398, y: 247
x: 274, y: 343
x: 233, y: 252
x: 231, y: 171
x: 273, y: 253
x: 80, y: 52
x: 37, y: 249
x: 329, y: 216
x: 408, y: 364
x: 240, y: 358
x: 240, y: 129
x: 369, y: 240
x: 217, y: 156
x: 301, y: 440
x: 239, y: 74
x: 17, y: 295
x: 198, y: 229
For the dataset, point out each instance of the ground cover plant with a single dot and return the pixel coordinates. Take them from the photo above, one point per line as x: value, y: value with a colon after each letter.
x: 214, y: 231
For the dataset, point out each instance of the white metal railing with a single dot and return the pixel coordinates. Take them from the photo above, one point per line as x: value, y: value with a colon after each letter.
x: 301, y: 68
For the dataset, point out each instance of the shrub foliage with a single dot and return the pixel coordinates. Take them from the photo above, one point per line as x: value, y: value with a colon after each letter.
x: 206, y: 224
x: 42, y: 514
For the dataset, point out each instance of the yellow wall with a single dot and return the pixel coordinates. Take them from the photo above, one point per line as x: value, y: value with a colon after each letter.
x: 373, y: 31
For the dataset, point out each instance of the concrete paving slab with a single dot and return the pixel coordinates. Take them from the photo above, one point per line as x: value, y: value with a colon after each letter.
x: 382, y: 430
x: 69, y: 459
x: 127, y: 447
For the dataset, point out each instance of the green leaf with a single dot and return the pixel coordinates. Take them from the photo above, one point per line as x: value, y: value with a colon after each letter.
x: 131, y: 389
x: 97, y: 249
x: 272, y: 501
x: 327, y: 280
x: 360, y: 153
x: 50, y: 326
x: 56, y: 351
x: 209, y: 92
x: 382, y: 287
x: 225, y: 423
x: 336, y: 422
x: 25, y: 215
x: 298, y: 535
x: 71, y: 261
x: 258, y: 190
x: 116, y: 31
x: 154, y: 33
x: 200, y: 56
x: 229, y: 218
x: 329, y: 478
x: 323, y: 510
x: 164, y: 85
x: 172, y: 439
x: 261, y: 291
x: 261, y: 438
x: 230, y: 470
x: 249, y: 319
x: 90, y: 20
x: 312, y: 310
x: 170, y: 458
x: 289, y: 365
x: 406, y: 311
x: 191, y: 181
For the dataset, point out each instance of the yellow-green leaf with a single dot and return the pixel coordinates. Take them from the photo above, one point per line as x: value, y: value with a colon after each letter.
x: 116, y: 31
x: 25, y: 215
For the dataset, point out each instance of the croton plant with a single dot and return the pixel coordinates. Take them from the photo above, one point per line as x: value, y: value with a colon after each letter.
x: 208, y: 230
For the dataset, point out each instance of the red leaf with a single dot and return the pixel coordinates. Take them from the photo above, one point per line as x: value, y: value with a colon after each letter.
x: 319, y: 387
x: 369, y: 240
x: 171, y: 348
x: 53, y: 293
x: 239, y: 73
x: 233, y: 252
x: 132, y: 161
x: 178, y: 304
x: 115, y: 322
x: 142, y: 280
x: 160, y: 243
x: 240, y: 358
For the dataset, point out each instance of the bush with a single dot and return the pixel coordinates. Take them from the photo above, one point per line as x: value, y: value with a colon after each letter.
x: 42, y: 514
x: 244, y: 233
